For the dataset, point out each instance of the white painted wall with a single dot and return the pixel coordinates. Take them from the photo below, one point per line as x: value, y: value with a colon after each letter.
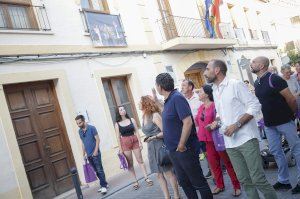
x: 83, y: 85
x: 67, y: 26
x: 8, y: 180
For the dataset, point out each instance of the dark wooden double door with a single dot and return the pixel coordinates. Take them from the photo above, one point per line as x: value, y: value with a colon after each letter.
x: 41, y: 137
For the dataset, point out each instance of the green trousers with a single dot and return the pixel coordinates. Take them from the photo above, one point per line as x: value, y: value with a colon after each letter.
x: 247, y: 164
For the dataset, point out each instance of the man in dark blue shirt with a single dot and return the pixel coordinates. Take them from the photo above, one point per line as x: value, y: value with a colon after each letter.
x: 90, y: 147
x: 278, y: 108
x: 180, y: 138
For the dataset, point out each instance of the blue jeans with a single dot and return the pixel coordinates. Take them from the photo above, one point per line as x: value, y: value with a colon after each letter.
x: 289, y: 131
x: 96, y: 163
x: 189, y: 174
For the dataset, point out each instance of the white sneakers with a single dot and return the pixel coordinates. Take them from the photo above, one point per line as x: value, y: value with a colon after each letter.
x: 103, y: 190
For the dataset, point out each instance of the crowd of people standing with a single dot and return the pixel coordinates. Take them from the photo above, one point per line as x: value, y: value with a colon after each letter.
x: 184, y: 124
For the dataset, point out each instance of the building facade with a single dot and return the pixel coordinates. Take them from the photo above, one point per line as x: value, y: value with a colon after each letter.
x: 61, y: 58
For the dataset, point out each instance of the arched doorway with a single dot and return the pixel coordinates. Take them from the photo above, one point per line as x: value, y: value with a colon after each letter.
x: 195, y: 73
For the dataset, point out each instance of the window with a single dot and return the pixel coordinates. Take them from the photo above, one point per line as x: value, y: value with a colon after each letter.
x: 95, y: 5
x: 16, y: 17
x: 118, y: 94
x: 21, y: 15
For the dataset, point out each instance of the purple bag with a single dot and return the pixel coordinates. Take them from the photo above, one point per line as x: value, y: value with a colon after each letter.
x: 123, y: 161
x: 89, y: 173
x: 218, y: 140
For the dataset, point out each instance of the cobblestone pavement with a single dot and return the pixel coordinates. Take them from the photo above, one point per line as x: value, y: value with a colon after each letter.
x: 125, y: 191
x: 154, y: 192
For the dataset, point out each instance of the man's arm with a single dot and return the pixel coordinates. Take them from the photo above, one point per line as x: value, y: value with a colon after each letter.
x: 252, y: 108
x: 186, y: 131
x: 83, y: 149
x: 290, y: 99
x: 97, y: 145
x: 184, y: 113
x: 281, y: 86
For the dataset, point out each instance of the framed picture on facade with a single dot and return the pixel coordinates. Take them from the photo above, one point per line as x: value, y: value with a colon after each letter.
x: 105, y: 29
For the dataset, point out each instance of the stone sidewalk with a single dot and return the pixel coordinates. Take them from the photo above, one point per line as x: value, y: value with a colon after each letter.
x: 120, y: 189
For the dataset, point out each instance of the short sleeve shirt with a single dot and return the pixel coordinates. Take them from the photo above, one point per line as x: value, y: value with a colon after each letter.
x: 88, y: 139
x: 275, y: 109
x: 176, y: 109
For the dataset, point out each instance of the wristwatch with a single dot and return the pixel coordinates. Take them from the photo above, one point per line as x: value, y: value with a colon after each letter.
x: 219, y: 123
x: 238, y: 124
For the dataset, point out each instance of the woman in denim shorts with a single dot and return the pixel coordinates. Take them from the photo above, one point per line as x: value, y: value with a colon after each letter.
x: 129, y: 141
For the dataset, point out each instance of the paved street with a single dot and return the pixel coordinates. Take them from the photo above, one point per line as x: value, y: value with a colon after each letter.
x: 121, y: 190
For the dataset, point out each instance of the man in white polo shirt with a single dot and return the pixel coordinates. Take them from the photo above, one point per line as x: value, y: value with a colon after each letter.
x: 236, y: 107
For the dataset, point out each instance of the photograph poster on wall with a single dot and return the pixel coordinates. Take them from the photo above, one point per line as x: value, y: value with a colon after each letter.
x: 105, y: 29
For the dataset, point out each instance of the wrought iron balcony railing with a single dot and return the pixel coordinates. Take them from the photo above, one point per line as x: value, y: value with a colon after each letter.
x: 174, y: 26
x: 15, y: 17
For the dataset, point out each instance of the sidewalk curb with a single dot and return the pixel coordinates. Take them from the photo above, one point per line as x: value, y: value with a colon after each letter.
x: 121, y: 188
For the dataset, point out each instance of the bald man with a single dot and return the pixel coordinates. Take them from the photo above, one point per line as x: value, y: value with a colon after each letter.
x: 278, y: 108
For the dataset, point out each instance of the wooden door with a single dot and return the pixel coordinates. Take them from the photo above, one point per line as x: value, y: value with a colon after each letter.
x: 197, y: 78
x: 118, y: 94
x: 41, y: 137
x: 167, y: 19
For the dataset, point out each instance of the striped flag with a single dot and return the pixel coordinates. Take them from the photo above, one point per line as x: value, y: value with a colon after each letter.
x: 215, y: 17
x: 208, y: 24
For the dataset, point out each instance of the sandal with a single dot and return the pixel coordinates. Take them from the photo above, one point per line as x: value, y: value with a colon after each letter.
x: 217, y: 190
x: 149, y: 182
x: 237, y: 193
x: 136, y: 185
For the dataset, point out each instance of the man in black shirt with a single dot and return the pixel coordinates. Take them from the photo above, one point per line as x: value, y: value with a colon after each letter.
x: 278, y: 108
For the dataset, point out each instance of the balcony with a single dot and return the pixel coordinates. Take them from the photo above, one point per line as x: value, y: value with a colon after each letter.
x: 104, y: 29
x: 23, y: 18
x: 266, y: 37
x: 183, y: 33
x: 240, y: 35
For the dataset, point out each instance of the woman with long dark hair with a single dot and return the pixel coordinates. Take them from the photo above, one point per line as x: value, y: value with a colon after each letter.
x: 152, y: 128
x: 206, y: 115
x: 130, y: 142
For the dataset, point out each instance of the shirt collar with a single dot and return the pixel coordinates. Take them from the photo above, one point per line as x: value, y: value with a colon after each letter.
x: 193, y: 96
x: 223, y: 83
x: 170, y: 95
x: 87, y: 127
x: 264, y: 75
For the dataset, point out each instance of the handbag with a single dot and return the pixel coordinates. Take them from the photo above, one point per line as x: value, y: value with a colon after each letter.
x: 123, y: 161
x: 218, y: 140
x: 163, y: 156
x: 89, y: 173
